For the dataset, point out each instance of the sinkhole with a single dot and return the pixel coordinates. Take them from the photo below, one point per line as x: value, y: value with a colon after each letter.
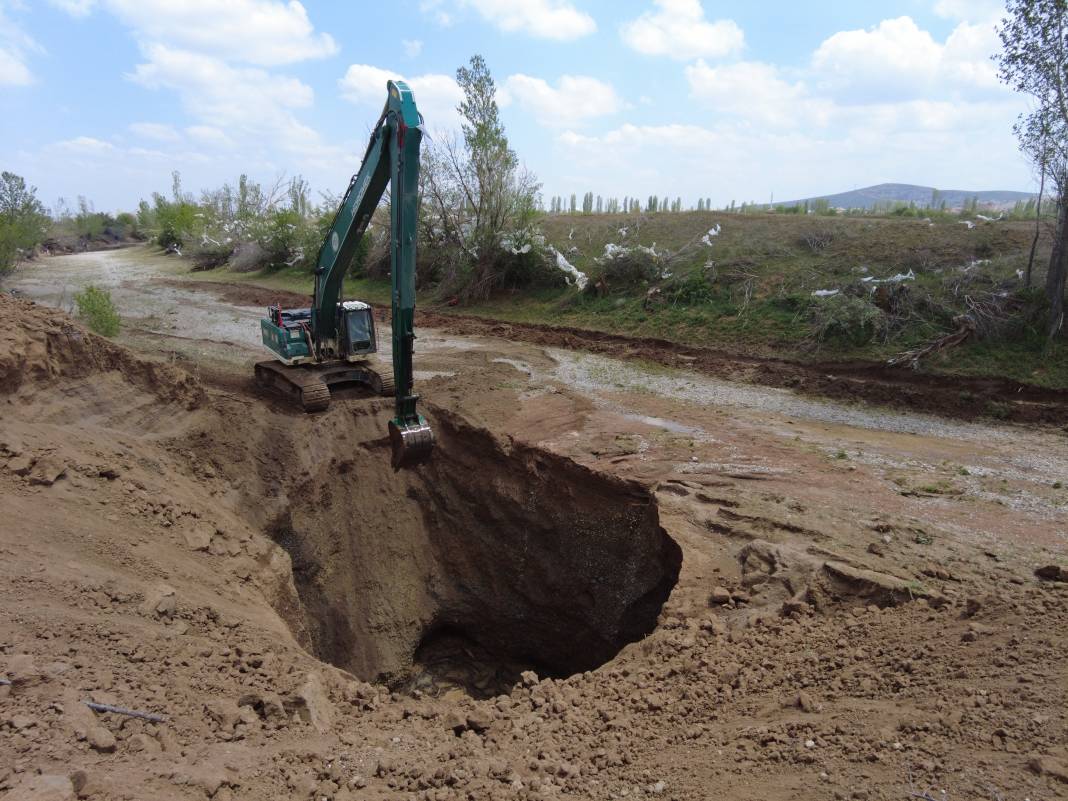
x: 494, y: 558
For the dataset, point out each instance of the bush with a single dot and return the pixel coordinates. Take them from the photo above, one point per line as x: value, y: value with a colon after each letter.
x: 97, y: 309
x: 625, y: 270
x: 846, y: 319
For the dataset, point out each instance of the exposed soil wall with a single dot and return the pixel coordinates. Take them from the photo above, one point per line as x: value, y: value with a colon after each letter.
x: 532, y: 558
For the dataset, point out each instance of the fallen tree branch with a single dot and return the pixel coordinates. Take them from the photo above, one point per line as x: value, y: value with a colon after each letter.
x: 912, y: 357
x: 118, y: 710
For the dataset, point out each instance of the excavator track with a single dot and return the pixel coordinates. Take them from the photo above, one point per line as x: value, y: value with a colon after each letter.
x: 311, y: 384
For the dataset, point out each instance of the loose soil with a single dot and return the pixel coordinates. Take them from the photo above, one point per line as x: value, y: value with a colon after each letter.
x: 603, y: 586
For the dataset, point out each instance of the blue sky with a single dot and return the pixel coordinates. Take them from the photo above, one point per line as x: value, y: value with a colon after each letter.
x: 698, y: 98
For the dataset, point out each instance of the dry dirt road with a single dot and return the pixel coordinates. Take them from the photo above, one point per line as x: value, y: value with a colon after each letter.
x: 615, y: 580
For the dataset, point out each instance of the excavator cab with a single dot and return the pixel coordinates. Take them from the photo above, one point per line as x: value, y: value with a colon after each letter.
x: 357, y: 328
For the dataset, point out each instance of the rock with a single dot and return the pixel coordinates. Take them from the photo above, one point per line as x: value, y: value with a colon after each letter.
x: 160, y: 601
x: 805, y: 702
x: 22, y: 670
x: 21, y: 722
x: 198, y: 536
x: 46, y: 787
x: 267, y: 706
x: 529, y: 678
x: 140, y: 742
x: 972, y: 607
x: 79, y: 779
x: 479, y: 720
x: 20, y: 465
x: 46, y: 471
x: 1052, y: 573
x: 316, y: 708
x: 719, y: 596
x: 877, y: 549
x: 224, y: 712
x: 100, y: 739
x: 871, y: 583
x: 1050, y: 766
x: 455, y: 722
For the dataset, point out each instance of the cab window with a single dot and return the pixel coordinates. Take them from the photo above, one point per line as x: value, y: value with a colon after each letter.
x: 359, y: 324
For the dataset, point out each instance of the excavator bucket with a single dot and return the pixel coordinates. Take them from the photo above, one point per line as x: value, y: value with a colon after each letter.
x: 412, y: 443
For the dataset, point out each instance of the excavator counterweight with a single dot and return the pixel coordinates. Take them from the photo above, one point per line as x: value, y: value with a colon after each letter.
x: 328, y: 344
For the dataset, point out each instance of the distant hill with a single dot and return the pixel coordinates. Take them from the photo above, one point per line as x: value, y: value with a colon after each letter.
x: 870, y: 196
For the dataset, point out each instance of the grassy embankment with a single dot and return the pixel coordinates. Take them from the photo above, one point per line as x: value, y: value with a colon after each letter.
x: 751, y: 290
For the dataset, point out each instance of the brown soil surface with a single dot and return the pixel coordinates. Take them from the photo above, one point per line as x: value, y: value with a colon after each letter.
x: 871, y: 382
x: 498, y: 624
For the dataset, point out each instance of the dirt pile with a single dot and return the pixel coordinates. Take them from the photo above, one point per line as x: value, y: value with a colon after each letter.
x: 42, y: 344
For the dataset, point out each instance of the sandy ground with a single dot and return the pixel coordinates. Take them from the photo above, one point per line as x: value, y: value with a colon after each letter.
x: 857, y: 613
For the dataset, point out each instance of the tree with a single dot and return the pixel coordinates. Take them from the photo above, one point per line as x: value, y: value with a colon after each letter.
x: 23, y: 221
x: 477, y: 195
x: 1034, y: 61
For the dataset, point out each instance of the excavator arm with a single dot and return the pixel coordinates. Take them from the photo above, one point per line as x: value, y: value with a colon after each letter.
x: 392, y: 159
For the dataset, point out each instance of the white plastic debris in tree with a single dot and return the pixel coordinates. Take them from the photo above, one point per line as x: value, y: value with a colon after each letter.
x: 579, y: 277
x: 623, y: 231
x: 707, y: 238
x: 968, y: 223
x: 984, y: 218
x: 825, y: 293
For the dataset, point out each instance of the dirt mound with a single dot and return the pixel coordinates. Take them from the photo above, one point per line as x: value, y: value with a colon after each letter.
x: 41, y: 345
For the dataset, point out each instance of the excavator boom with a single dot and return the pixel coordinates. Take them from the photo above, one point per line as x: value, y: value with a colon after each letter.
x: 334, y: 332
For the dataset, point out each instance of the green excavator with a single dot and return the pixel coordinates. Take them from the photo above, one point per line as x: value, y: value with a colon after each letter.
x: 327, y: 345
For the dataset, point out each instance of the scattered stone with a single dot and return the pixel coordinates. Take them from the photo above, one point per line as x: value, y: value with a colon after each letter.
x: 46, y: 787
x: 224, y: 712
x: 1050, y: 766
x: 529, y: 678
x: 100, y: 739
x: 315, y: 707
x: 198, y: 536
x: 160, y: 601
x: 877, y: 549
x: 20, y: 465
x: 1052, y: 573
x: 46, y: 471
x: 805, y: 702
x: 720, y: 596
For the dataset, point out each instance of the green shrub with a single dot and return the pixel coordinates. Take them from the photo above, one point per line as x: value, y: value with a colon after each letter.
x: 97, y: 309
x: 846, y: 319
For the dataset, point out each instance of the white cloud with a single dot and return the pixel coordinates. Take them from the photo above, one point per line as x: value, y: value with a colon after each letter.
x: 970, y: 10
x: 678, y: 29
x: 893, y: 58
x: 897, y: 60
x: 263, y: 32
x: 544, y: 19
x: 209, y: 135
x: 436, y: 95
x: 433, y: 8
x: 755, y: 92
x: 575, y: 98
x: 76, y: 8
x: 412, y: 47
x: 13, y: 72
x: 86, y: 145
x: 156, y: 130
x: 15, y: 44
x: 250, y: 102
